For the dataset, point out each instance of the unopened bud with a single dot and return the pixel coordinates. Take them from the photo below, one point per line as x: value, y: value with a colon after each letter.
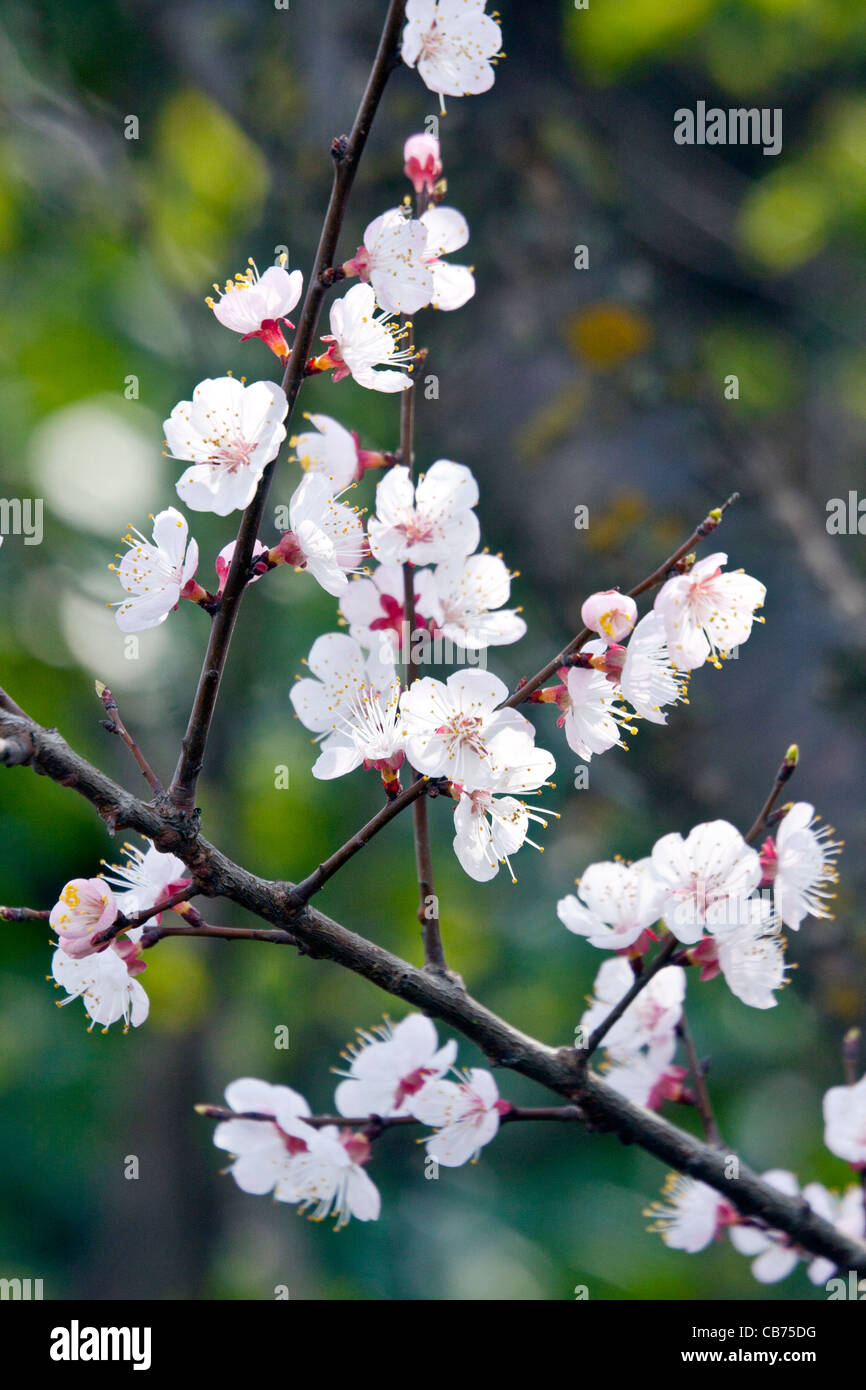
x: 609, y: 613
x: 422, y: 162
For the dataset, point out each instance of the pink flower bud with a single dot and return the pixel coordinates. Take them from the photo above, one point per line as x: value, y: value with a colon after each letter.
x: 422, y: 161
x: 610, y: 613
x: 224, y: 560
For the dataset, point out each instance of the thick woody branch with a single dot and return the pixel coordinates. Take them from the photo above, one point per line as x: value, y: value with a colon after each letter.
x: 558, y: 1069
x: 346, y: 154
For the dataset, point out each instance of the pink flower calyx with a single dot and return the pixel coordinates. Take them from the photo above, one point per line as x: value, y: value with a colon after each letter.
x: 272, y: 336
x: 769, y: 861
x: 357, y: 1146
x: 706, y: 955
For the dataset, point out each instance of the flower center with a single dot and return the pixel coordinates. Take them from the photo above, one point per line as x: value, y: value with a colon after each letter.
x: 233, y: 456
x: 417, y: 529
x: 464, y: 729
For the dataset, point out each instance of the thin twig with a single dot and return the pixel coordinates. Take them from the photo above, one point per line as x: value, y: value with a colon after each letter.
x: 428, y: 906
x: 702, y: 1093
x: 115, y: 724
x: 786, y: 771
x: 346, y: 154
x: 152, y: 935
x: 658, y: 576
x: 304, y: 890
x: 597, y: 1037
x: 138, y: 919
x: 378, y: 1123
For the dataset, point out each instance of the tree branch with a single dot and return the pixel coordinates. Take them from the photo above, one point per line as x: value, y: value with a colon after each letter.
x: 346, y: 155
x: 786, y: 771
x: 658, y: 576
x: 699, y: 1076
x: 114, y: 724
x: 428, y: 911
x: 558, y: 1069
x: 319, y: 877
x: 597, y: 1037
x: 379, y: 1123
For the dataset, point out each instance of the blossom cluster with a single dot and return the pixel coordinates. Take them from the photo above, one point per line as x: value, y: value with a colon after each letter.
x: 93, y: 961
x: 692, y: 1214
x: 417, y: 564
x: 394, y: 1072
x: 723, y: 902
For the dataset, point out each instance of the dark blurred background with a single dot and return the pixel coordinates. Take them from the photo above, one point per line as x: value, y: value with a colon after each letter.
x: 559, y: 387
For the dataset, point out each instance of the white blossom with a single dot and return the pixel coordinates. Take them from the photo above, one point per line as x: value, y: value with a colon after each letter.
x: 492, y: 823
x: 452, y: 728
x: 362, y: 341
x: 711, y: 865
x: 447, y: 230
x: 752, y: 955
x: 651, y: 1017
x: 614, y: 905
x: 846, y: 1213
x: 648, y: 679
x: 801, y: 865
x: 426, y: 522
x: 465, y: 1114
x: 330, y: 449
x: 690, y: 1215
x: 105, y: 984
x: 470, y: 595
x: 392, y: 260
x: 845, y: 1122
x: 156, y: 573
x: 775, y: 1256
x: 230, y: 432
x: 591, y: 717
x: 263, y: 1153
x: 328, y: 1175
x: 325, y: 537
x: 708, y: 613
x: 148, y: 877
x: 373, y: 608
x: 255, y: 305
x: 451, y: 42
x: 350, y: 701
x: 390, y: 1066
